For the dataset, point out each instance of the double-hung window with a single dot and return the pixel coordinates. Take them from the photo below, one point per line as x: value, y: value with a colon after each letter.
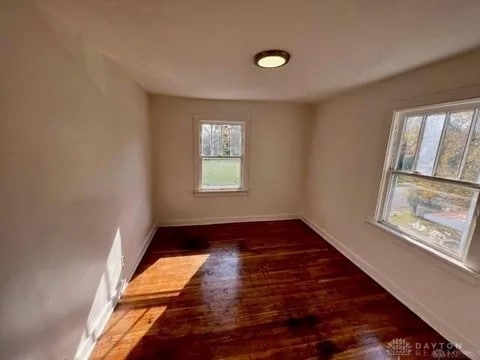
x: 221, y: 163
x: 431, y: 181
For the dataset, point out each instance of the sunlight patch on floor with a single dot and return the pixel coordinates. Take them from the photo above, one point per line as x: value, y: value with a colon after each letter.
x: 126, y: 329
x: 176, y: 272
x: 141, y: 308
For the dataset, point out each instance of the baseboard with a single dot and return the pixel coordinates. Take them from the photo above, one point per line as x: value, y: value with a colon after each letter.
x: 227, y: 219
x: 87, y: 343
x: 436, y: 322
x: 86, y: 346
x: 145, y: 246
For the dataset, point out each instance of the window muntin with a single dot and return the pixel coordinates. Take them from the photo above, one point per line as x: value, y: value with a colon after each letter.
x: 221, y: 160
x: 430, y: 189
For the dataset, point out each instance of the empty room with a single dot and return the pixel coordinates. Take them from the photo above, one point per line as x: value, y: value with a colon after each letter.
x: 239, y: 179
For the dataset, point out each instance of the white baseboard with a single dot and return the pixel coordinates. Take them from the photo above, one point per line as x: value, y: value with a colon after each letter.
x: 87, y: 343
x: 227, y: 219
x: 145, y: 246
x: 435, y: 321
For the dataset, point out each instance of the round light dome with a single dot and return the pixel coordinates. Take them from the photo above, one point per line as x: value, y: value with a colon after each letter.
x: 271, y: 58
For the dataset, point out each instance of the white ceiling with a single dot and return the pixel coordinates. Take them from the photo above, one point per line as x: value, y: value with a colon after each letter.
x: 204, y: 48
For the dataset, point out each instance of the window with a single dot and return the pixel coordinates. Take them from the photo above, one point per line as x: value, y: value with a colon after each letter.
x: 220, y: 164
x: 431, y: 181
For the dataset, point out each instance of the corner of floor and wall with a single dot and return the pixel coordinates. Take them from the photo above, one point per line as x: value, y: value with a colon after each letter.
x: 91, y: 164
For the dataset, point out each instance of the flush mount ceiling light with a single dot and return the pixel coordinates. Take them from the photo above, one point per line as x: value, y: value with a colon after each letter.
x: 271, y: 58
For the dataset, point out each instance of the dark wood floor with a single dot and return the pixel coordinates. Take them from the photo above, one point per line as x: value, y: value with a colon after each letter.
x: 255, y: 291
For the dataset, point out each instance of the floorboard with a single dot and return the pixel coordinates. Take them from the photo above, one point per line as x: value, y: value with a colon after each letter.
x: 260, y: 290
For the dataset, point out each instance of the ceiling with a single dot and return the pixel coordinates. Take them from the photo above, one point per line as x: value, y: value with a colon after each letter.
x: 204, y: 48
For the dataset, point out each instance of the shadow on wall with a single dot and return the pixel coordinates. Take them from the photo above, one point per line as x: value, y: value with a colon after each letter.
x: 112, y: 284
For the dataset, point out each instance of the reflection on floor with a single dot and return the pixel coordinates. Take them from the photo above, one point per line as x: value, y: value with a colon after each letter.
x: 255, y: 291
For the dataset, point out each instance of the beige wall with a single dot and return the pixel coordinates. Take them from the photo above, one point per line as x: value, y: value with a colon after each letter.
x: 74, y: 174
x: 348, y: 144
x: 277, y: 156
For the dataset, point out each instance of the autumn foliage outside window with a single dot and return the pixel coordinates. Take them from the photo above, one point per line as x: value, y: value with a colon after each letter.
x: 432, y: 180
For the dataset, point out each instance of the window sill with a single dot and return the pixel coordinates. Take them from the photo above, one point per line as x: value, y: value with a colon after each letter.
x: 451, y: 265
x: 209, y: 193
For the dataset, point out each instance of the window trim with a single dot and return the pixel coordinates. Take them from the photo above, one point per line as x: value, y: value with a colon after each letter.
x: 197, y: 168
x: 470, y: 259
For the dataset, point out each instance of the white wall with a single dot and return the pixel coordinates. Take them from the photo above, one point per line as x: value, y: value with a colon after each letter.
x: 277, y: 157
x: 74, y: 176
x: 349, y: 139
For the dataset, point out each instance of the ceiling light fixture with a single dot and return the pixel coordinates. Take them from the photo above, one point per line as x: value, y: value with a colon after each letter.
x: 270, y: 59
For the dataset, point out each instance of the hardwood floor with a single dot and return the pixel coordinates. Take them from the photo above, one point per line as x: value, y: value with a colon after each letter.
x: 256, y: 291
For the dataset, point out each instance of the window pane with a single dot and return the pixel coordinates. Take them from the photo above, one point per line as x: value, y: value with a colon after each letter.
x: 429, y: 145
x: 454, y: 144
x: 471, y: 170
x: 236, y: 140
x: 221, y: 173
x: 206, y: 138
x: 211, y: 140
x: 436, y: 213
x: 221, y: 140
x: 408, y: 145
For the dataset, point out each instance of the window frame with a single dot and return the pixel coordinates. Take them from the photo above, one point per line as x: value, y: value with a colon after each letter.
x: 244, y: 157
x: 470, y: 254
